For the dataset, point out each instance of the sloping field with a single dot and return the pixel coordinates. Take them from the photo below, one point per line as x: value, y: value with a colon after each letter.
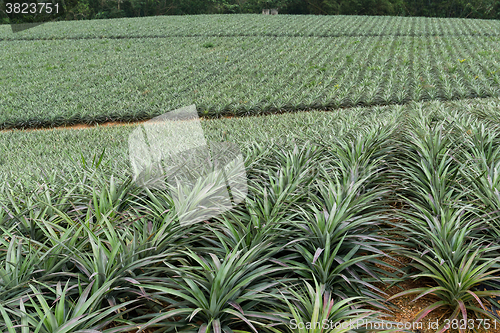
x: 26, y: 155
x: 257, y: 25
x: 59, y: 81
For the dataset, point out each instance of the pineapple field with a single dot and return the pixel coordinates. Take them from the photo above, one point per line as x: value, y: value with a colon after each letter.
x: 371, y: 147
x: 135, y: 69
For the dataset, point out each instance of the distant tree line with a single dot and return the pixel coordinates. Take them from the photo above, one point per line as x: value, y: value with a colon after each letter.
x: 96, y: 9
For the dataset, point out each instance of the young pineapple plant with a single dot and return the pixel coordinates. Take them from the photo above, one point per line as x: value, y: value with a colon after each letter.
x: 314, y: 310
x: 61, y: 310
x: 214, y: 294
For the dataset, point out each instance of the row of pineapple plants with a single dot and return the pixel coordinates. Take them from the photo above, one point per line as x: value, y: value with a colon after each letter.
x: 447, y: 220
x: 308, y: 245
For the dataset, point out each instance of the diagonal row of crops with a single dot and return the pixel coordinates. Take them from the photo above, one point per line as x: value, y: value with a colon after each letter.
x: 97, y: 252
x: 26, y: 155
x: 256, y: 25
x: 57, y: 82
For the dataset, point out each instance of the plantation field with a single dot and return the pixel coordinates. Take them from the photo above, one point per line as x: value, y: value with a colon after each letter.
x: 349, y: 213
x: 57, y: 81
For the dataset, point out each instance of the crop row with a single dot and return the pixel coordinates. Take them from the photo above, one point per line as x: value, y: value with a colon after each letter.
x: 48, y: 83
x: 256, y: 25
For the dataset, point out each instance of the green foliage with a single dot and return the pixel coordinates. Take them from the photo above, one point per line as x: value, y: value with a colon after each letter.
x: 340, y: 241
x: 221, y: 292
x: 60, y: 310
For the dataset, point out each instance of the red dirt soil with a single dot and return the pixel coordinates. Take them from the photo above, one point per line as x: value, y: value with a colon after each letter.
x: 86, y: 126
